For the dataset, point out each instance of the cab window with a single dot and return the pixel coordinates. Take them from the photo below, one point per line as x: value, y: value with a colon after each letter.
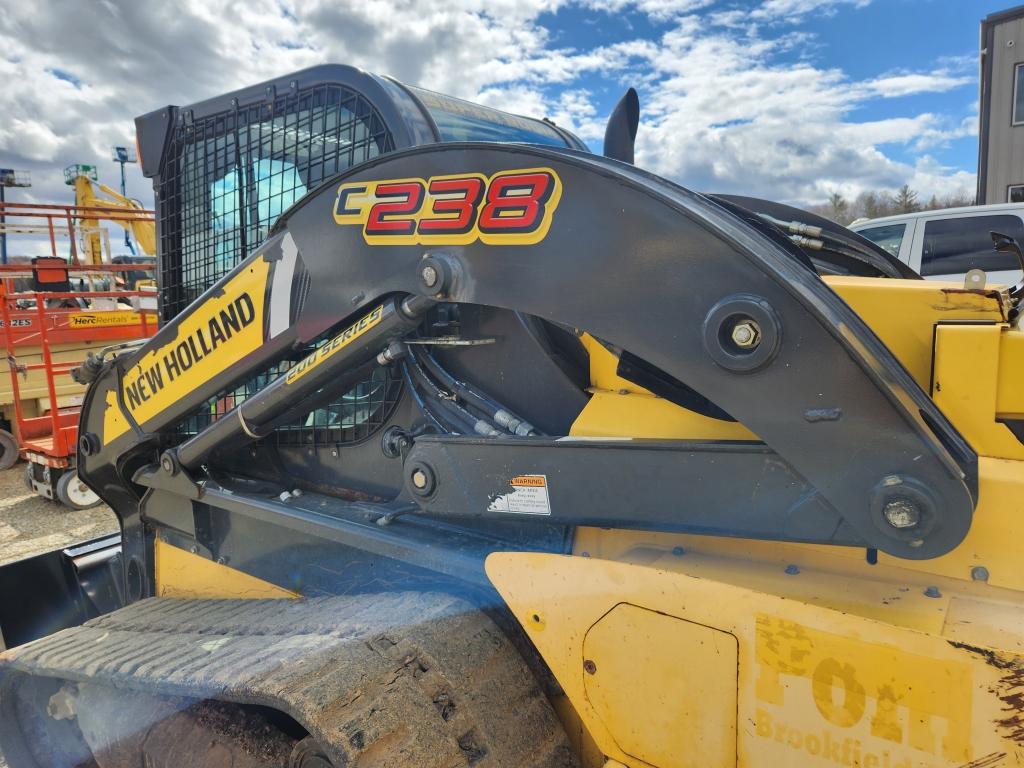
x: 888, y: 237
x: 459, y: 120
x: 955, y: 246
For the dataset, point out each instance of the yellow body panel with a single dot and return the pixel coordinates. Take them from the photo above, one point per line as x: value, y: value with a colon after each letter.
x: 693, y: 712
x: 815, y: 686
x: 903, y: 313
x: 183, y: 574
x: 652, y: 415
x: 1010, y: 393
x: 649, y: 416
x: 966, y: 386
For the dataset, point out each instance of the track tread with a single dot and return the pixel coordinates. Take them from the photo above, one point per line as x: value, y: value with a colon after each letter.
x: 399, y: 679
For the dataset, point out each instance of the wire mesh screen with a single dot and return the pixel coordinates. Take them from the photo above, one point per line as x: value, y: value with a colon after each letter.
x: 227, y: 178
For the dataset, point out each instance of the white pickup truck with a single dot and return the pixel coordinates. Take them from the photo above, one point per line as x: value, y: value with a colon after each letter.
x: 946, y: 244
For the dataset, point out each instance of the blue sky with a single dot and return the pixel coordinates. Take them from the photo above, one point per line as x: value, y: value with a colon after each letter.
x: 788, y: 99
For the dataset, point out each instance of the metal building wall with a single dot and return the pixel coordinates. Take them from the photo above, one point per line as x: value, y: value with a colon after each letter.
x: 1001, y: 156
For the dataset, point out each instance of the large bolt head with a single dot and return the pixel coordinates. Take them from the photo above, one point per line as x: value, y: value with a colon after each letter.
x: 746, y: 334
x: 901, y: 513
x: 429, y: 275
x: 422, y: 480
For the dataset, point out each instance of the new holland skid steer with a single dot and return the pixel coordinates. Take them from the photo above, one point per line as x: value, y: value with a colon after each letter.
x: 462, y: 446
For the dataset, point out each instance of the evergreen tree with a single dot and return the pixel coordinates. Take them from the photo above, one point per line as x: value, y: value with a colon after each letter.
x: 840, y: 208
x: 905, y: 200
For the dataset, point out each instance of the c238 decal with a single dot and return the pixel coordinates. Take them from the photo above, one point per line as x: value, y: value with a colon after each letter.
x: 508, y: 208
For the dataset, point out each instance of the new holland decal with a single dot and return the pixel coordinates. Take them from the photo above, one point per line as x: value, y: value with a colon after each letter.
x: 508, y: 208
x: 223, y: 329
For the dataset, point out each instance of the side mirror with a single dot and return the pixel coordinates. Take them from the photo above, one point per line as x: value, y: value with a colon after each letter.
x: 1006, y: 244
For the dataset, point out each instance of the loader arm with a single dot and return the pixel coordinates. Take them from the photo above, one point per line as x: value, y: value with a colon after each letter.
x: 855, y: 446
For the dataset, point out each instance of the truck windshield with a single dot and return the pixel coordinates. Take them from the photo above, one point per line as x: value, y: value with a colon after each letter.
x: 459, y: 120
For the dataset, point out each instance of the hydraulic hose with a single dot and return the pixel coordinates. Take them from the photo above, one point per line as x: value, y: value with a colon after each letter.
x: 470, y: 424
x: 473, y: 397
x: 420, y: 402
x: 818, y: 239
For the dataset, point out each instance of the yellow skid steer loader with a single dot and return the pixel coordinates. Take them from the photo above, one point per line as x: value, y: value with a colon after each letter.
x: 462, y: 446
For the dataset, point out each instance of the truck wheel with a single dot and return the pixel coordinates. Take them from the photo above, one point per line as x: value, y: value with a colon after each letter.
x: 73, y: 493
x: 8, y: 450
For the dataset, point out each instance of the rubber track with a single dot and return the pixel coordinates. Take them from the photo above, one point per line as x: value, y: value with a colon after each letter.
x: 400, y: 679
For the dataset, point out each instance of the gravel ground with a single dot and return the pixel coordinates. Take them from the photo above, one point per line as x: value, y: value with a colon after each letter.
x: 30, y: 524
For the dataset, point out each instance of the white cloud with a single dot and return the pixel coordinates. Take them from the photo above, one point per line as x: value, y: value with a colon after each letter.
x: 723, y: 106
x: 793, y: 10
x: 657, y: 9
x: 896, y: 85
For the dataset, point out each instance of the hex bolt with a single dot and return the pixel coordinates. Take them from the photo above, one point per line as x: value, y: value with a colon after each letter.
x: 422, y: 479
x: 932, y: 592
x: 429, y: 275
x: 979, y: 573
x: 590, y: 667
x: 167, y: 464
x: 901, y: 513
x: 746, y: 334
x: 419, y: 479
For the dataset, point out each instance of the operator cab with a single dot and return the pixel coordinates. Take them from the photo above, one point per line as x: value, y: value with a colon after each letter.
x: 225, y: 169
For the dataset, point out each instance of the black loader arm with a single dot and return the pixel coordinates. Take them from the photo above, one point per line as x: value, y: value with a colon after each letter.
x: 585, y: 243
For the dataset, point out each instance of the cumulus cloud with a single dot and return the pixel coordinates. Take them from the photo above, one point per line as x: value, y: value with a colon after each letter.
x: 725, y: 104
x: 907, y: 84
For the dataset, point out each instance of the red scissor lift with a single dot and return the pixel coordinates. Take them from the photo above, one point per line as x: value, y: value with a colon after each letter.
x: 54, y: 312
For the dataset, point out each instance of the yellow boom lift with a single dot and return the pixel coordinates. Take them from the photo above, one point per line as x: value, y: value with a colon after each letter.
x: 90, y: 193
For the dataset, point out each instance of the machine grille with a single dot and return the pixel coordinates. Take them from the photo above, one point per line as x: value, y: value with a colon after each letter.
x: 227, y: 178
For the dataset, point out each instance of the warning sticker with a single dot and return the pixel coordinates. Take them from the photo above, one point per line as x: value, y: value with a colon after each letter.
x: 528, y: 496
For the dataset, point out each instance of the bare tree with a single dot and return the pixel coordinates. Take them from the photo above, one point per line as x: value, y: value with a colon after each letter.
x: 874, y: 204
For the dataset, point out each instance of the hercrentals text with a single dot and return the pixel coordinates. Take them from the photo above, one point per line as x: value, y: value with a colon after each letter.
x: 194, y: 348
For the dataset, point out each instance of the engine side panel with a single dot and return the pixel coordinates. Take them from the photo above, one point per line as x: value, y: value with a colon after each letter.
x: 815, y: 686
